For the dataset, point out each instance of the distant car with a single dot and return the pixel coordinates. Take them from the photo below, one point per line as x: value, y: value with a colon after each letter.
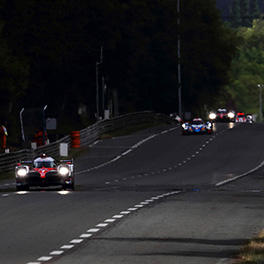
x: 241, y: 118
x: 222, y: 115
x: 176, y: 117
x: 197, y: 126
x: 250, y: 118
x: 44, y: 171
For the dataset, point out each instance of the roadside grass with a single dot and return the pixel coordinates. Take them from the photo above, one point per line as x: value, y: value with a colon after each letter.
x: 253, y: 253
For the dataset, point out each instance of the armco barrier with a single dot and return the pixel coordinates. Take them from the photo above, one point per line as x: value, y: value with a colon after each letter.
x: 87, y: 136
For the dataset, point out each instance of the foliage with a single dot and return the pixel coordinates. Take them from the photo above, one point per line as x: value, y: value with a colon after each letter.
x: 60, y: 42
x: 248, y: 68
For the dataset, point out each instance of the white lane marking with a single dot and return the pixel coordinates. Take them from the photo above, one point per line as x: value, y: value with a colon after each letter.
x: 76, y: 241
x: 110, y: 220
x: 107, y: 182
x: 102, y: 225
x: 193, y: 156
x: 150, y: 200
x: 132, y: 209
x: 126, y: 152
x: 67, y: 246
x: 93, y: 230
x: 85, y: 235
x: 144, y: 203
x: 164, y: 132
x: 45, y: 258
x: 139, y: 205
x: 117, y: 216
x: 56, y: 252
x: 122, y: 154
x: 5, y: 195
x: 124, y: 179
x: 94, y: 143
x: 239, y: 176
x: 197, y: 152
x: 125, y: 212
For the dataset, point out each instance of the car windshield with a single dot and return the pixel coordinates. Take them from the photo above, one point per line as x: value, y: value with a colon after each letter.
x: 221, y: 111
x: 44, y: 164
x: 197, y: 122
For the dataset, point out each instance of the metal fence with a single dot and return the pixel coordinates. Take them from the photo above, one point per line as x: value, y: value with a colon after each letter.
x: 87, y: 136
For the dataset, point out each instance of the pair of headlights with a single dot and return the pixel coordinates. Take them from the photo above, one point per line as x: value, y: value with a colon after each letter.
x: 212, y: 116
x: 62, y: 170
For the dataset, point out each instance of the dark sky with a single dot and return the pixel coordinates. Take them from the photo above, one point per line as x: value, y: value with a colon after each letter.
x: 224, y: 6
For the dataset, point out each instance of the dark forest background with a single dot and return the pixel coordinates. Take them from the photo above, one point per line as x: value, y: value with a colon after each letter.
x: 49, y: 50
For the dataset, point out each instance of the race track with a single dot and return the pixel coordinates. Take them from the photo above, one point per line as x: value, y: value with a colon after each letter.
x: 152, y: 197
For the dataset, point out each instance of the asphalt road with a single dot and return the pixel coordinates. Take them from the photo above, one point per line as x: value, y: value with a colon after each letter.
x: 152, y: 197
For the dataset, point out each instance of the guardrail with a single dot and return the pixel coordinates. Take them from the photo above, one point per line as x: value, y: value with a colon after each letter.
x: 87, y: 136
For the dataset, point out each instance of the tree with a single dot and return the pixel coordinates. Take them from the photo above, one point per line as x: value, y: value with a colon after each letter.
x: 235, y: 14
x: 254, y: 9
x: 244, y: 13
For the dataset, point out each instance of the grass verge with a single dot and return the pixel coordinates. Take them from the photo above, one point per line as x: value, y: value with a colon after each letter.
x: 253, y: 253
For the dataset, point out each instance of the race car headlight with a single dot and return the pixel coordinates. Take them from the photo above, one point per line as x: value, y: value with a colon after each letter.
x: 63, y: 170
x: 212, y: 116
x: 22, y: 172
x: 231, y: 115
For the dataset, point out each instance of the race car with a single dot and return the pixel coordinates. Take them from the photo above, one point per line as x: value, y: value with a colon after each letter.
x: 44, y: 171
x: 241, y: 118
x: 197, y: 126
x: 222, y: 115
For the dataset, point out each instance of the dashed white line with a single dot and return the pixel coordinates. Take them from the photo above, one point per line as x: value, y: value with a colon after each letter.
x: 139, y: 205
x: 117, y: 216
x: 56, y: 252
x: 67, y: 246
x: 76, y: 241
x: 85, y: 235
x: 102, y: 225
x: 93, y: 230
x: 45, y: 258
x: 110, y: 220
x: 125, y: 212
x: 132, y: 209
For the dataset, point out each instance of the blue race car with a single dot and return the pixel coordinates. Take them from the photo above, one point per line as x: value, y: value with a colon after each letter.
x: 197, y: 126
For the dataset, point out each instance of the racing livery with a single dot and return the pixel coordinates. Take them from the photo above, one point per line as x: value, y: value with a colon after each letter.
x: 197, y: 126
x: 43, y: 172
x: 222, y: 115
x: 241, y: 118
